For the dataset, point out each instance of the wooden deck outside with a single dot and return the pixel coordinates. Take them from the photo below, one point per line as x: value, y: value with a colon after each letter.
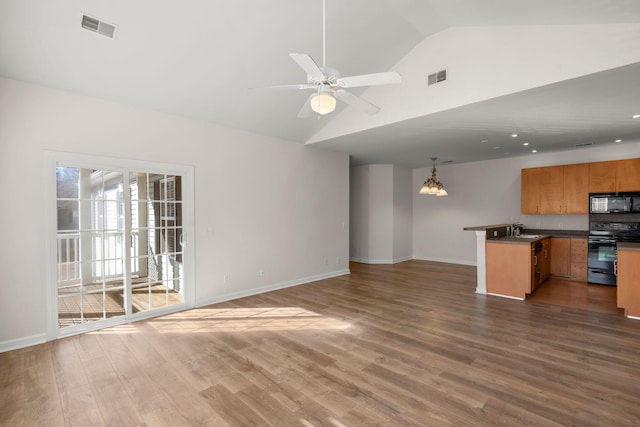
x: 142, y: 299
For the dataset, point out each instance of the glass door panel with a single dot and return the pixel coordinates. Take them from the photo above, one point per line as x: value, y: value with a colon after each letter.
x: 156, y: 249
x: 90, y: 245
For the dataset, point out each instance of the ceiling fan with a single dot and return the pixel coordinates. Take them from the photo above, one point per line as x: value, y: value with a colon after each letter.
x: 329, y: 86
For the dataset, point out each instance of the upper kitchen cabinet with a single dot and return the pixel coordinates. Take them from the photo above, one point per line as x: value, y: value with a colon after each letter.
x: 628, y: 175
x: 614, y: 176
x: 555, y: 190
x: 576, y: 188
x: 551, y: 190
x: 530, y: 191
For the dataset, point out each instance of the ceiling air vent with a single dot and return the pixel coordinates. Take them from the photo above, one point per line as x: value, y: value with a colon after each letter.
x: 586, y: 144
x: 438, y: 77
x: 98, y: 26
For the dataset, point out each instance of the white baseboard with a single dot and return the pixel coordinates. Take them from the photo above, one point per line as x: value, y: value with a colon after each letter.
x: 446, y: 260
x: 269, y: 288
x: 380, y: 261
x: 505, y: 296
x: 22, y: 342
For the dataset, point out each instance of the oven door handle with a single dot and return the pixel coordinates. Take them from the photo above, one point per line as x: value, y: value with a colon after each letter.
x: 615, y: 267
x: 598, y: 240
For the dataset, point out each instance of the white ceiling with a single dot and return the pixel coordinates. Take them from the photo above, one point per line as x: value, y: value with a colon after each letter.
x: 198, y: 58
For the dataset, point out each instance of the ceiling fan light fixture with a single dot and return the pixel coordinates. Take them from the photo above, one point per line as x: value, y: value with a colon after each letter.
x: 323, y: 103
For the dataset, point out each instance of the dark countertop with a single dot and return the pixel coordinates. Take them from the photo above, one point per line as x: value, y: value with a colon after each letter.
x: 485, y: 227
x: 551, y: 233
x: 628, y: 246
x: 522, y: 240
x: 558, y: 233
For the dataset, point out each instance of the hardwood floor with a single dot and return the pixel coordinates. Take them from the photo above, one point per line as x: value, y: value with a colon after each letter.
x: 408, y: 344
x: 570, y: 293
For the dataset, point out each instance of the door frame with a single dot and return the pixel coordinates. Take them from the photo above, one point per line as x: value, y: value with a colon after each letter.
x: 53, y: 159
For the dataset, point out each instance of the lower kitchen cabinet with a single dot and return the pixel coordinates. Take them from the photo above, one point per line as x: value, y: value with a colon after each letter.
x: 629, y: 278
x: 569, y: 257
x: 516, y: 269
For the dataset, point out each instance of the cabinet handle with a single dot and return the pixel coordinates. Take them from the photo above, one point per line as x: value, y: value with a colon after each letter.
x: 546, y: 253
x: 615, y: 267
x: 535, y: 260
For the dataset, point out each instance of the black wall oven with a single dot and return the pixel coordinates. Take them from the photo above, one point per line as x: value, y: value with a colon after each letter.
x: 612, y: 219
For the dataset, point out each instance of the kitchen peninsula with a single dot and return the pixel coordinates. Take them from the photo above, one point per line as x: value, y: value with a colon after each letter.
x: 572, y: 243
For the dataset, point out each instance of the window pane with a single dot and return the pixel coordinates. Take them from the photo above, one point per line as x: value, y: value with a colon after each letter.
x: 67, y: 182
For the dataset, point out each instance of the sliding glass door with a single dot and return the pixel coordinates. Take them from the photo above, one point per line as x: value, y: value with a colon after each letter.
x: 119, y: 246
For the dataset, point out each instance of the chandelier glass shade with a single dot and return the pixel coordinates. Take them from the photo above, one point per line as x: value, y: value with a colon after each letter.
x: 432, y: 186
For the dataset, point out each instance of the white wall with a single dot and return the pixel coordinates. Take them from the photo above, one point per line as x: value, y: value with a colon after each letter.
x: 483, y: 193
x: 381, y: 226
x: 402, y: 214
x: 272, y: 204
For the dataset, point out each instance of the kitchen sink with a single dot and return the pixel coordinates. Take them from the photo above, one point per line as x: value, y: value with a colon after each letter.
x: 529, y: 236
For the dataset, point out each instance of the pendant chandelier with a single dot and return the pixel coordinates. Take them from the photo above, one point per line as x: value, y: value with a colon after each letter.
x: 432, y: 185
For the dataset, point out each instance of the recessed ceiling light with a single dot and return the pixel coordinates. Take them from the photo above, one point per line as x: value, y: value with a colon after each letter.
x: 534, y: 151
x: 636, y: 116
x: 515, y: 135
x: 485, y: 140
x: 496, y: 148
x: 525, y: 144
x: 618, y: 140
x: 506, y: 154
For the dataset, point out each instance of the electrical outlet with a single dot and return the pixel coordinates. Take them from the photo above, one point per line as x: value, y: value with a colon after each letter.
x: 261, y: 272
x: 326, y: 261
x: 337, y: 260
x: 495, y: 233
x: 227, y: 278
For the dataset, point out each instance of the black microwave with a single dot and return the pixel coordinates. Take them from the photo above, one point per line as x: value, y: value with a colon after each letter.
x: 612, y: 203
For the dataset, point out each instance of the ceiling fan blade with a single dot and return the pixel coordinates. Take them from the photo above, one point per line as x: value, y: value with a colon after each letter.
x: 387, y: 78
x: 300, y: 86
x: 308, y: 65
x: 306, y: 110
x: 355, y: 101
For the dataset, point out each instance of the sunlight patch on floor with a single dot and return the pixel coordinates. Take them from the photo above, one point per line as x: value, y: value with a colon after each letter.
x: 246, y: 319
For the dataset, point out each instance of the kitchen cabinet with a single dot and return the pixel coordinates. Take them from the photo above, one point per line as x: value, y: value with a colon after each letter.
x: 555, y: 190
x: 614, y: 176
x: 576, y: 188
x: 530, y: 191
x: 551, y: 199
x: 544, y: 262
x: 578, y: 259
x: 628, y: 287
x: 515, y: 269
x: 560, y: 256
x: 569, y: 257
x: 628, y: 175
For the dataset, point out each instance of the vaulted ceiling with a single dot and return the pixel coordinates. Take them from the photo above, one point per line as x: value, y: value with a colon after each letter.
x: 559, y: 74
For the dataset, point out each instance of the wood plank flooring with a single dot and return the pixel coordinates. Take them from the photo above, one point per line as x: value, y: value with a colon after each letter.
x: 576, y: 294
x: 408, y: 344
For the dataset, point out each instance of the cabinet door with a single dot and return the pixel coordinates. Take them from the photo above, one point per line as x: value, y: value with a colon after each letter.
x: 560, y: 256
x: 530, y: 191
x: 579, y: 255
x: 628, y: 175
x: 551, y: 190
x: 629, y: 282
x: 576, y: 189
x: 545, y: 266
x: 602, y: 177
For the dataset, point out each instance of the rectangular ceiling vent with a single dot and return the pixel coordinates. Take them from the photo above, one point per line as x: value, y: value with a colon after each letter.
x: 97, y: 26
x: 586, y: 144
x: 438, y: 77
